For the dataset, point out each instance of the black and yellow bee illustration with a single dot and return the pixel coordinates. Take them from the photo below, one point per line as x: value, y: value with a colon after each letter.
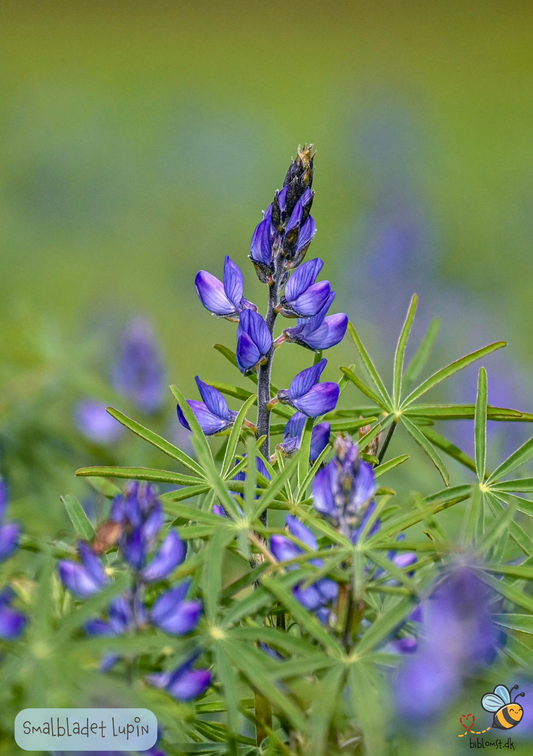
x: 507, y: 713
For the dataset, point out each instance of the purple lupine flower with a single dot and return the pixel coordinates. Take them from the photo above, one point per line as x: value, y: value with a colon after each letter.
x: 139, y: 513
x: 292, y: 437
x: 307, y: 395
x: 213, y: 413
x: 226, y: 299
x: 303, y: 297
x: 318, y: 332
x: 317, y: 595
x: 171, y: 554
x: 12, y: 623
x: 299, y: 230
x: 95, y: 423
x: 139, y: 372
x: 184, y: 683
x: 343, y: 490
x: 173, y: 614
x: 261, y: 249
x: 253, y: 341
x: 9, y: 531
x: 459, y: 639
x: 85, y: 579
x: 121, y: 618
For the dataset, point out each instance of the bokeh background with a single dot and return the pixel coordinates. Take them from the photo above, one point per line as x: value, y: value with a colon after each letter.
x: 139, y: 142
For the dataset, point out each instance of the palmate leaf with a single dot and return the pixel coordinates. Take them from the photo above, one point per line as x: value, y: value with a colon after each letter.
x: 228, y: 678
x: 450, y: 370
x: 399, y: 354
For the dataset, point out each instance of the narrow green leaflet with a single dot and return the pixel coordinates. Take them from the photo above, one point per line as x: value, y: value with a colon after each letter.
x: 520, y: 485
x: 275, y: 487
x: 213, y: 572
x: 384, y: 624
x: 517, y: 533
x: 369, y: 365
x: 247, y: 662
x: 230, y: 686
x: 307, y: 621
x: 160, y: 443
x: 448, y: 448
x: 422, y: 354
x: 480, y: 425
x: 399, y: 354
x: 465, y: 412
x: 234, y: 435
x: 323, y: 707
x: 390, y: 465
x: 517, y: 458
x: 81, y: 523
x: 367, y: 696
x: 449, y: 370
x: 508, y: 591
x: 351, y: 376
x: 498, y: 530
x: 428, y: 447
x: 139, y: 473
x: 522, y: 623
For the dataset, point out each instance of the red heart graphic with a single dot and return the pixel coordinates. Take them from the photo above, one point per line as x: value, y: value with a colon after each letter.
x: 469, y: 724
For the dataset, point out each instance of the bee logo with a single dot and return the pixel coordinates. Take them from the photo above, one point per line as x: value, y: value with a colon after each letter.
x: 507, y: 713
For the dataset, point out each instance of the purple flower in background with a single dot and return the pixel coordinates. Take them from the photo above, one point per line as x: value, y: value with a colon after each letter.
x: 12, y: 623
x: 83, y: 579
x: 343, y: 490
x: 303, y: 297
x: 223, y: 299
x: 10, y: 531
x: 170, y: 555
x: 125, y: 613
x: 253, y: 341
x: 184, y: 683
x: 293, y: 435
x: 318, y: 594
x: 173, y: 614
x: 459, y: 638
x: 95, y: 423
x: 139, y: 513
x: 318, y: 332
x: 213, y: 413
x: 139, y: 373
x: 307, y: 395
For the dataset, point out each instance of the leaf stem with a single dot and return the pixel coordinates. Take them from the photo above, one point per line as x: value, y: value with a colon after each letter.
x: 386, y: 442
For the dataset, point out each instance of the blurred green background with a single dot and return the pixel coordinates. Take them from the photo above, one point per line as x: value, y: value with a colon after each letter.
x: 141, y: 140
